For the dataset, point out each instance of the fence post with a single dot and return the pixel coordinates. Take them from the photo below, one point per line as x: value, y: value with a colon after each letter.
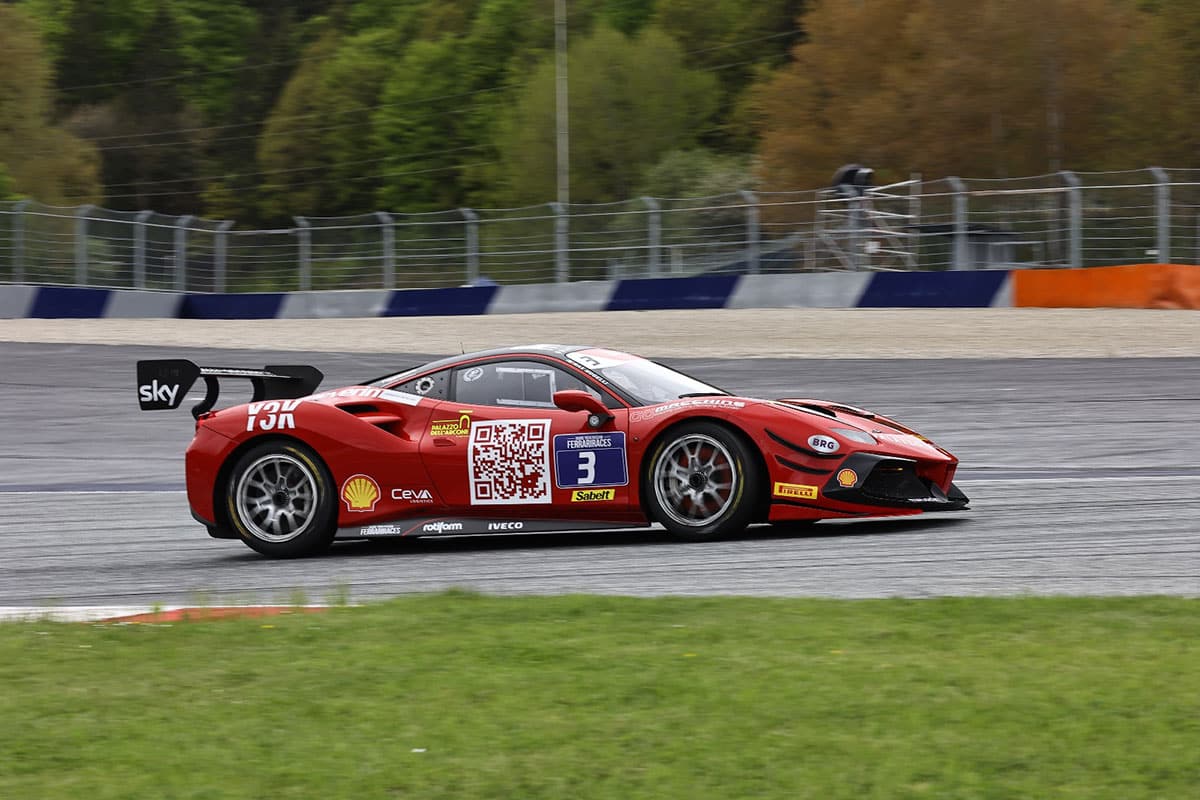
x: 1075, y: 221
x: 562, y: 262
x: 752, y: 232
x: 388, y: 226
x: 653, y: 236
x: 1162, y: 197
x: 959, y: 260
x: 81, y: 254
x: 181, y: 252
x: 221, y: 254
x: 855, y: 222
x: 139, y: 249
x: 471, y: 220
x: 914, y: 214
x: 18, y: 264
x: 304, y: 232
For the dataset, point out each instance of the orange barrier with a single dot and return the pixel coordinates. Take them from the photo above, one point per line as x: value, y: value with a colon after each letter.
x: 1132, y: 286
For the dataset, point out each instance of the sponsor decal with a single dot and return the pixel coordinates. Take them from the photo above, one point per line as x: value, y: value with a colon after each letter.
x: 795, y: 490
x: 156, y: 392
x: 847, y: 478
x: 424, y: 385
x: 906, y: 440
x: 461, y: 426
x: 367, y: 393
x: 273, y: 415
x: 412, y: 495
x: 380, y: 530
x: 506, y: 526
x: 441, y: 527
x: 824, y: 444
x: 360, y: 493
x: 598, y: 358
x: 691, y: 402
x: 399, y: 397
x: 584, y: 460
x: 592, y: 495
x: 473, y: 374
x: 508, y: 461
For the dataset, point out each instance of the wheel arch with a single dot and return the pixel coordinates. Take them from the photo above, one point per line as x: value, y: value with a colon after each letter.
x: 220, y: 509
x: 762, y: 503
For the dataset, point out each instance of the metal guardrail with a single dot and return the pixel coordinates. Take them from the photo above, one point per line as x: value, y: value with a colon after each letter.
x: 1059, y: 220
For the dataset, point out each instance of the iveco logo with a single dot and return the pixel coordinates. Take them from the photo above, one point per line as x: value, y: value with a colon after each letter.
x: 441, y: 527
x: 824, y: 444
x: 505, y: 526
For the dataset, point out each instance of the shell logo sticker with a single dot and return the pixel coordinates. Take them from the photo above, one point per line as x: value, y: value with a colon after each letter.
x: 847, y: 478
x: 360, y: 493
x: 796, y: 490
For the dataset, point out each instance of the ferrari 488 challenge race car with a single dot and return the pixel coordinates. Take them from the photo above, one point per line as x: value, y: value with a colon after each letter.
x: 528, y: 439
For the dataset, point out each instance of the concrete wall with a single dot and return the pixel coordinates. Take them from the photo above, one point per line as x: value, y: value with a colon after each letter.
x: 806, y: 290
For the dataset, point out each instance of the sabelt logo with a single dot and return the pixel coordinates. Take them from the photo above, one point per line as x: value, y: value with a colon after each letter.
x: 505, y: 526
x: 592, y: 495
x: 452, y: 427
x: 441, y: 527
x: 795, y: 490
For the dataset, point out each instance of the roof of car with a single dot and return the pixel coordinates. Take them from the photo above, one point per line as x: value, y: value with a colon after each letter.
x: 522, y: 350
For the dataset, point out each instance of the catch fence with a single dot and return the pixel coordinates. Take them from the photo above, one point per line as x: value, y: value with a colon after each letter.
x: 1061, y: 220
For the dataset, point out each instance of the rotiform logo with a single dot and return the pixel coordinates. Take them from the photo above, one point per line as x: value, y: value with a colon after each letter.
x: 441, y: 527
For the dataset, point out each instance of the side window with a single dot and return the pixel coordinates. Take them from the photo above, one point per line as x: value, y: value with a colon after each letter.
x: 435, y: 386
x: 527, y: 384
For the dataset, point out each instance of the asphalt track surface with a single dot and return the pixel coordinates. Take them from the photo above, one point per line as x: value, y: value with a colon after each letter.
x: 1084, y: 476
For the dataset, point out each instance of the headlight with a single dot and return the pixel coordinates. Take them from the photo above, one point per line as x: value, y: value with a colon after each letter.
x: 855, y: 435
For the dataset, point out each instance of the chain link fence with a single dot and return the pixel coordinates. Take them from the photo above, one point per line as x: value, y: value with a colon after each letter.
x: 1061, y: 220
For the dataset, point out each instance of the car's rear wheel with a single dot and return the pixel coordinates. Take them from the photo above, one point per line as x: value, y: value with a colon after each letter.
x: 281, y: 501
x: 701, y: 482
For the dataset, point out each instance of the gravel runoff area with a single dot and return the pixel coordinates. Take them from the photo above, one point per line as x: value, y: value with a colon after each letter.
x: 724, y: 333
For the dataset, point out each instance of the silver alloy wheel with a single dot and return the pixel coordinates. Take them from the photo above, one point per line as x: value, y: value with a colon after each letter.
x: 276, y: 497
x: 695, y: 479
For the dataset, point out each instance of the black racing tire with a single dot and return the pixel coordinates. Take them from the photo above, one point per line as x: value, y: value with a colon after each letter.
x: 702, y: 482
x: 281, y: 501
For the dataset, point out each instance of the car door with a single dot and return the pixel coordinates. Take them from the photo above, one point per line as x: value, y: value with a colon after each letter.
x: 499, y: 447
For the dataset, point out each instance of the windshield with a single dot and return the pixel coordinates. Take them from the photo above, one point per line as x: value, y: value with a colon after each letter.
x: 647, y: 382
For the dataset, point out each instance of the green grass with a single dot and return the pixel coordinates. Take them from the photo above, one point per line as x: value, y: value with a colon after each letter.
x: 463, y: 696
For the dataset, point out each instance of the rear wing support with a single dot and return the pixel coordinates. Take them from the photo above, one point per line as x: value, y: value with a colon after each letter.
x: 163, y: 383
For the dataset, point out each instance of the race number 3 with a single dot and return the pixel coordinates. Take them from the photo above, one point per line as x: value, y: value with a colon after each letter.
x: 587, y: 460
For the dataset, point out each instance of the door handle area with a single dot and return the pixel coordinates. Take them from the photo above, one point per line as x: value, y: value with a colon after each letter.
x: 443, y: 441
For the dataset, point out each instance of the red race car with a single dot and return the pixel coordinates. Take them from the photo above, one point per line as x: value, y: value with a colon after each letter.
x: 537, y: 438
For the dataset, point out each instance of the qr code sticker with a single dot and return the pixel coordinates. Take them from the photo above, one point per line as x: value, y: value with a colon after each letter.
x: 509, y: 461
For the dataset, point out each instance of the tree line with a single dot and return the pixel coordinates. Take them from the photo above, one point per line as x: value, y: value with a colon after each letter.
x: 256, y: 110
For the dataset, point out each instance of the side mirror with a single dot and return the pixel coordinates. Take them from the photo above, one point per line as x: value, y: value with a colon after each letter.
x: 579, y: 400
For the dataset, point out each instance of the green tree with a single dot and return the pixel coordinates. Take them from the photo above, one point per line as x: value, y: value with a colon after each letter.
x: 43, y: 160
x: 1159, y: 121
x: 631, y: 100
x: 985, y: 88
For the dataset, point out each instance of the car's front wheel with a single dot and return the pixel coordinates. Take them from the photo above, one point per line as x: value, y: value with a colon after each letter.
x: 701, y: 482
x: 281, y: 500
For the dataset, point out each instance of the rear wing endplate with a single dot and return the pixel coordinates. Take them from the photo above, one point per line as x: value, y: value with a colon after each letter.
x: 163, y: 383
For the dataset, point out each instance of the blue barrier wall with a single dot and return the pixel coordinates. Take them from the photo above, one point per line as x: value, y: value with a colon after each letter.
x: 974, y: 289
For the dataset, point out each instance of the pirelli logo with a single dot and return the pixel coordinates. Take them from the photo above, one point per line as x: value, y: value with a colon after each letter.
x: 797, y: 491
x: 592, y: 495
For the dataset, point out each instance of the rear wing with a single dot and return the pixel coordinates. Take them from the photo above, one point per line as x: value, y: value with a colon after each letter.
x: 162, y: 384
